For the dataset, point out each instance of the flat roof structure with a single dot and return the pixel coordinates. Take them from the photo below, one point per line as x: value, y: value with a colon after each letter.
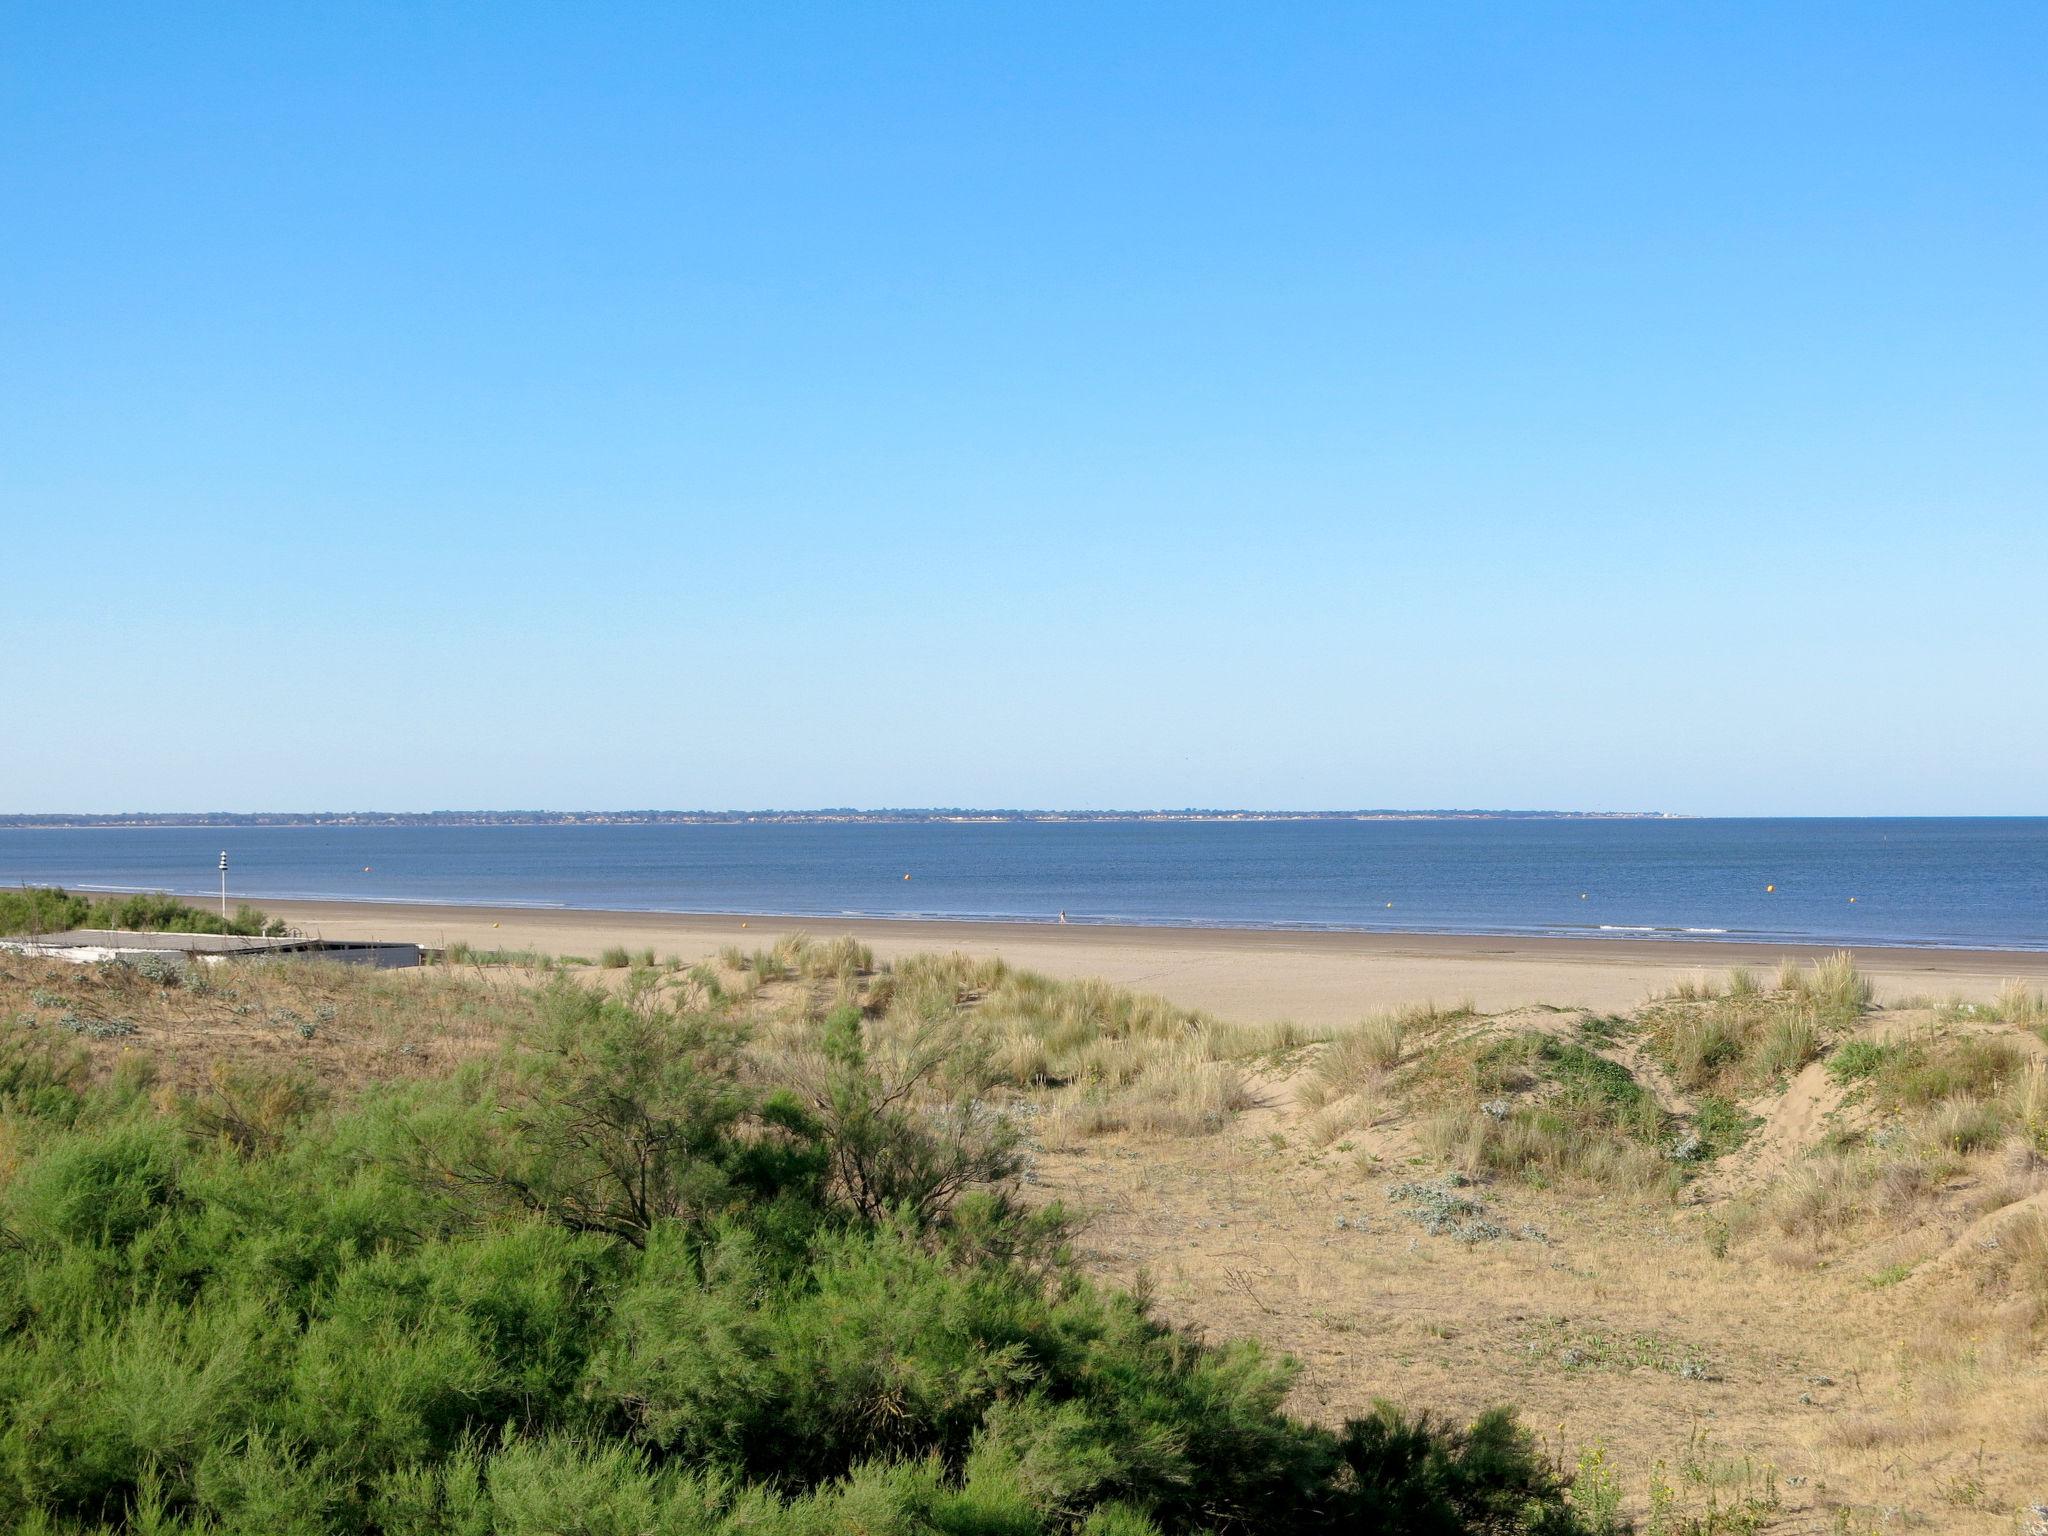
x: 85, y: 945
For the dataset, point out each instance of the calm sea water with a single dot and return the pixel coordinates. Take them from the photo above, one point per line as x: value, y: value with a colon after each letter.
x: 1943, y: 882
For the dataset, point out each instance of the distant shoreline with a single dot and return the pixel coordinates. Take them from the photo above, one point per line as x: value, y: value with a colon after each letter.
x: 84, y: 821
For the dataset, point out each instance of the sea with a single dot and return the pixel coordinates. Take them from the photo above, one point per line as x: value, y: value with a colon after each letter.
x: 1961, y: 883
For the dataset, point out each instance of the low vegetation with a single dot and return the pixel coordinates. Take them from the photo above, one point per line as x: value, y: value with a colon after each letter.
x: 1918, y: 1109
x: 2016, y: 1003
x: 1537, y: 1106
x: 1106, y: 1060
x: 32, y: 910
x: 1741, y: 1037
x: 466, y: 954
x: 638, y: 1270
x: 773, y: 1243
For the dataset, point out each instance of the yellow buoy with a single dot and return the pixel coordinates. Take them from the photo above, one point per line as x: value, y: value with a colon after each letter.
x: 906, y: 877
x: 1770, y: 888
x: 1852, y: 901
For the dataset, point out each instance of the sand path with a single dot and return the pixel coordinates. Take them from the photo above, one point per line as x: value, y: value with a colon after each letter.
x: 1791, y: 1127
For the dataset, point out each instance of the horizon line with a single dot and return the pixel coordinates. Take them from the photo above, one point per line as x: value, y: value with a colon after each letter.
x: 200, y: 817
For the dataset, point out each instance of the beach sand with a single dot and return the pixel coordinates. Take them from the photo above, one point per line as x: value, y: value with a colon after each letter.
x: 1251, y: 976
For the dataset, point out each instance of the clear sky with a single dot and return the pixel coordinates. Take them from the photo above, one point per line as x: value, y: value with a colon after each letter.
x: 1633, y: 406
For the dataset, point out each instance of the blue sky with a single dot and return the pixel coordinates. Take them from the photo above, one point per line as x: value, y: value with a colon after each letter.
x: 1092, y: 405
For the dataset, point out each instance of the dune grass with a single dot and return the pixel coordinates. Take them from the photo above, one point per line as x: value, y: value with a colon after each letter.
x: 1353, y: 1073
x: 1538, y: 1107
x: 1106, y: 1060
x: 798, y: 954
x: 1831, y: 988
x: 1930, y: 1103
x: 2017, y: 1003
x: 1735, y: 1038
x: 1359, y: 1060
x: 460, y: 953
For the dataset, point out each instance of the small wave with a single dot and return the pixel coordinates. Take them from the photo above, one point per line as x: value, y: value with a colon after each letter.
x: 1656, y: 928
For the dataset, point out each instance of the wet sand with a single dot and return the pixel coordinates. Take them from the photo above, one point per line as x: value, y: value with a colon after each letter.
x: 1251, y: 975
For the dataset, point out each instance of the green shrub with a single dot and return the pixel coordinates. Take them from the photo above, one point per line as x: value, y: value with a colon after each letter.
x: 1414, y: 1476
x: 614, y: 1118
x: 1973, y: 1067
x: 48, y: 909
x: 1854, y: 1060
x: 40, y: 1077
x: 100, y: 1189
x: 614, y: 1283
x: 1966, y: 1125
x: 1721, y: 1125
x: 34, y: 909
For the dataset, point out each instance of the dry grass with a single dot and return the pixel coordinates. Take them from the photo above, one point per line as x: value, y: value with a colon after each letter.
x: 2030, y: 1102
x: 1182, y: 1094
x: 1541, y: 1147
x: 1737, y: 1039
x: 1097, y: 1059
x: 1862, y: 1316
x: 1541, y: 1106
x: 1816, y: 1199
x: 1699, y: 988
x: 1865, y: 1312
x: 1928, y: 1116
x: 1922, y: 1074
x: 1350, y: 1074
x: 1358, y: 1061
x: 335, y: 1024
x: 1105, y: 1061
x: 1832, y: 987
x: 1964, y: 1125
x: 2020, y: 1004
x: 2024, y: 1242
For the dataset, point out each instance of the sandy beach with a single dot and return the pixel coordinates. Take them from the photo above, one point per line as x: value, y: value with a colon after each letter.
x: 1250, y: 975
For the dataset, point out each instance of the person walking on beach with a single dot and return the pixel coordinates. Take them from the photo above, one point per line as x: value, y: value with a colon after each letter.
x: 1063, y: 917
